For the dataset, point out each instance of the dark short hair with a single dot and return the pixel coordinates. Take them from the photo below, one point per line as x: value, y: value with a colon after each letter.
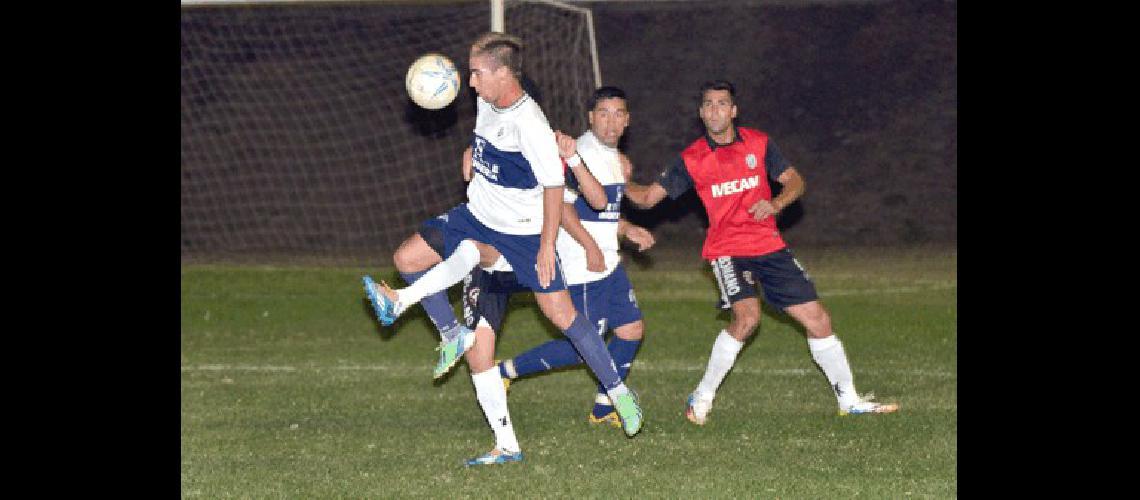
x: 505, y: 49
x: 603, y: 93
x: 719, y: 85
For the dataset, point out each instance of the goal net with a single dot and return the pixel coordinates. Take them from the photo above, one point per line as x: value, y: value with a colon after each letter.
x: 299, y: 141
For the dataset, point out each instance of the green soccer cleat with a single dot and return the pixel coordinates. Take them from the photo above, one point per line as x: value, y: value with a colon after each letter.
x: 451, y: 351
x: 629, y: 411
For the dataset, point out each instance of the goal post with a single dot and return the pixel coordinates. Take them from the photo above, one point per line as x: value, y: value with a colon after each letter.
x: 498, y: 23
x: 298, y: 139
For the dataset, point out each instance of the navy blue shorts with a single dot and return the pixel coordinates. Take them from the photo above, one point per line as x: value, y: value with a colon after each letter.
x: 431, y: 231
x: 521, y: 251
x: 780, y: 275
x: 607, y: 303
x: 486, y: 296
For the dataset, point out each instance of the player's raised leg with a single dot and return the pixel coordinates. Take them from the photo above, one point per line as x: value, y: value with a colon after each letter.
x: 391, y: 303
x: 414, y: 257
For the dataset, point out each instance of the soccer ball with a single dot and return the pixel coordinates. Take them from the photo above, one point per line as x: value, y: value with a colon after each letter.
x: 432, y: 81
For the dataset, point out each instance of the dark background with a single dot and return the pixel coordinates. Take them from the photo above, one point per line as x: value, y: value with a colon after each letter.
x: 860, y: 97
x: 298, y: 140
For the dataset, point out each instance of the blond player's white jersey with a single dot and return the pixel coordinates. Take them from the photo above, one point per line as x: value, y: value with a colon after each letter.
x: 603, y: 161
x: 514, y: 157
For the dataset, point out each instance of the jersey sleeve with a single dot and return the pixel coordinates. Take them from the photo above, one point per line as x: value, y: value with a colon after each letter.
x: 536, y: 141
x: 570, y: 194
x: 774, y: 161
x: 675, y: 179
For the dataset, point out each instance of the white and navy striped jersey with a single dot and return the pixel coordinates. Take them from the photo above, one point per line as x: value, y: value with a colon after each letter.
x: 514, y: 157
x: 603, y: 161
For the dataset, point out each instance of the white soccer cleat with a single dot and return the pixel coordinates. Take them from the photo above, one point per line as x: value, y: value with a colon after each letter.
x: 866, y: 406
x: 698, y: 409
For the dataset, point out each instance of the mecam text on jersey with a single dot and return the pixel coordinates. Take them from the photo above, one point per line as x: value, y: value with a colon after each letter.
x: 735, y: 186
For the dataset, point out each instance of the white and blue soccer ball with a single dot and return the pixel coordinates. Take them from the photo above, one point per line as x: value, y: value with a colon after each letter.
x: 432, y: 81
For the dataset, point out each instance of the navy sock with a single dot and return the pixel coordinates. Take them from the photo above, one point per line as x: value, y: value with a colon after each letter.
x: 438, y: 309
x: 547, y: 356
x: 590, y: 346
x: 623, y: 352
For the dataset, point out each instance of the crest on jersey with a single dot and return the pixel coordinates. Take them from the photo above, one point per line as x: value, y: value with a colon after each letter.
x: 750, y: 160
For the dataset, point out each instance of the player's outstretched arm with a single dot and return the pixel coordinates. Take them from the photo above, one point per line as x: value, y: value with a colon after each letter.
x: 595, y: 260
x: 637, y: 234
x: 644, y: 196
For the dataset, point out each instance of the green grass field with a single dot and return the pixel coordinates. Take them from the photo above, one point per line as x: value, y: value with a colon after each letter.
x: 290, y: 389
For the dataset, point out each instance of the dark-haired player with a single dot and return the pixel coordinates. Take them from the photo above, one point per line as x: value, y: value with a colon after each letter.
x: 731, y: 169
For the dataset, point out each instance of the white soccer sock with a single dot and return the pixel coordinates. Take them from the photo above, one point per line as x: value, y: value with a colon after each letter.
x: 493, y: 398
x: 721, y: 359
x: 828, y: 353
x: 509, y: 367
x: 443, y: 275
x: 617, y: 391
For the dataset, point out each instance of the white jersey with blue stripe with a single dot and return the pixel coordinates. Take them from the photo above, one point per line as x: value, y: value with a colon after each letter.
x: 514, y: 158
x: 604, y: 162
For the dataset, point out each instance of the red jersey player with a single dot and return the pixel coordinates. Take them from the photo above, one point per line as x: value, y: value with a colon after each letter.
x: 731, y: 169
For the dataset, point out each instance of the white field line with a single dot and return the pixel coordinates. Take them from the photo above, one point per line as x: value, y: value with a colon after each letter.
x: 640, y: 366
x: 888, y: 290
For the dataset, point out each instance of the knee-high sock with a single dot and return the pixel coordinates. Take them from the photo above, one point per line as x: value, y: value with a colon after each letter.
x: 593, y: 351
x: 438, y: 309
x: 442, y: 275
x: 623, y: 352
x: 493, y: 398
x: 549, y: 355
x: 828, y: 353
x: 721, y: 359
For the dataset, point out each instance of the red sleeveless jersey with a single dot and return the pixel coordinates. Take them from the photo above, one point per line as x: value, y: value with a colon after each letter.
x: 729, y: 179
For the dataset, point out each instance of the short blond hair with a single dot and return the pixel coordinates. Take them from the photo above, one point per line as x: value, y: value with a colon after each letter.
x: 505, y: 49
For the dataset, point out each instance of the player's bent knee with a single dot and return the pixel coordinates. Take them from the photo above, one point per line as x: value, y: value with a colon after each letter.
x: 557, y: 307
x: 414, y: 255
x: 819, y: 328
x: 745, y: 319
x: 814, y: 318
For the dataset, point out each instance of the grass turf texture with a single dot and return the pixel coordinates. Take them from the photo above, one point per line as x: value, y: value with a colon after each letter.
x: 290, y: 388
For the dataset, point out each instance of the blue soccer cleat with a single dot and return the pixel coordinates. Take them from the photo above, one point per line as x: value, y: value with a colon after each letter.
x: 384, y: 307
x: 496, y: 456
